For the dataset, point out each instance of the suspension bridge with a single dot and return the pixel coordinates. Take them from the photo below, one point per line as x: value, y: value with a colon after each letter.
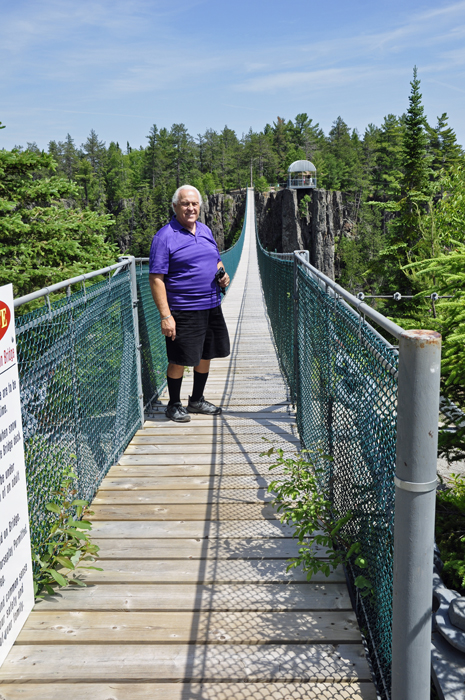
x: 194, y: 600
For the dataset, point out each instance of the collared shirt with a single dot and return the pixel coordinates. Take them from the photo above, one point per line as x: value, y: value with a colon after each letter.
x: 189, y: 264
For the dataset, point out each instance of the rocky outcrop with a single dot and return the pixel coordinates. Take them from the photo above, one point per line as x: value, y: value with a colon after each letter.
x: 314, y: 220
x: 224, y: 214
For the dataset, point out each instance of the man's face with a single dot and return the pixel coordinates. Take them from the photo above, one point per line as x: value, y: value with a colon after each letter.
x: 188, y: 208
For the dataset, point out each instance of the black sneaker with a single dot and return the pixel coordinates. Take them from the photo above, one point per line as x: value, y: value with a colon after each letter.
x: 202, y: 406
x: 177, y: 412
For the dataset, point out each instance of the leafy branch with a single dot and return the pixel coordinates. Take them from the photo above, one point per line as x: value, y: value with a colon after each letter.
x: 303, y: 507
x: 68, y: 543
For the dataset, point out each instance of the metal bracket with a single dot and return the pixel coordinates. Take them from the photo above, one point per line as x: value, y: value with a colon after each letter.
x: 415, y: 486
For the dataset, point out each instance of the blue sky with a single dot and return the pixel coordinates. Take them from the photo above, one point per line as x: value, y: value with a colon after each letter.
x: 119, y: 67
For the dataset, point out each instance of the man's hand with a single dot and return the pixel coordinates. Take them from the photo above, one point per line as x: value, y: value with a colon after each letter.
x: 224, y: 281
x: 168, y: 327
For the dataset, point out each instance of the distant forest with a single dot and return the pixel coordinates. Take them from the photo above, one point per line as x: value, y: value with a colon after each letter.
x: 135, y: 185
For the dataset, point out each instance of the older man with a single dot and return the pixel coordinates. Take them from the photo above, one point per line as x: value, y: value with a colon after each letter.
x: 184, y: 260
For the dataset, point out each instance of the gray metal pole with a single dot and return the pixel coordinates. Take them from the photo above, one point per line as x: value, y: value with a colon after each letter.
x: 415, y: 480
x: 298, y: 255
x: 135, y: 301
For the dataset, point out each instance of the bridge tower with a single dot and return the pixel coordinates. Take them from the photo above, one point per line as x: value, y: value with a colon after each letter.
x: 301, y: 174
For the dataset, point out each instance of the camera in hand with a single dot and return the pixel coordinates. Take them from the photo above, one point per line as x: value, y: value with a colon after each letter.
x: 219, y: 275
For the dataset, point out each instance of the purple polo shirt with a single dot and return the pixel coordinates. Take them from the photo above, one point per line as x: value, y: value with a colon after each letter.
x: 189, y: 264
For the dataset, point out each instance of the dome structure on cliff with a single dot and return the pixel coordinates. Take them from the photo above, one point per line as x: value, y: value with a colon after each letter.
x: 301, y: 174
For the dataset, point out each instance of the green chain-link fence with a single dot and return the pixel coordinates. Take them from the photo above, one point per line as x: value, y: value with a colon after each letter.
x: 79, y: 394
x: 345, y: 380
x: 152, y: 341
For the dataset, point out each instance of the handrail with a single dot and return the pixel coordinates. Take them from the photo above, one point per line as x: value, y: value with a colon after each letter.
x: 67, y: 283
x: 375, y: 316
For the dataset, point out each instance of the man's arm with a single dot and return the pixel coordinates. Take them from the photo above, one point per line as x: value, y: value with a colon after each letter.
x: 157, y: 286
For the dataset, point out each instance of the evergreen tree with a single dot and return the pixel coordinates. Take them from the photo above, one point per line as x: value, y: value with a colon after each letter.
x: 443, y: 145
x: 405, y: 230
x: 94, y: 151
x: 43, y: 241
x: 70, y: 160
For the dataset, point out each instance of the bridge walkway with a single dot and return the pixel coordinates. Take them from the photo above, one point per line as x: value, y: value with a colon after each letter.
x: 194, y: 601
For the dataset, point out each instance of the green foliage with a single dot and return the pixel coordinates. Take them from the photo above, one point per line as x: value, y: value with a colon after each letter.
x: 261, y: 184
x: 450, y: 532
x: 311, y: 516
x: 68, y: 544
x: 303, y: 205
x: 44, y: 236
x: 438, y: 266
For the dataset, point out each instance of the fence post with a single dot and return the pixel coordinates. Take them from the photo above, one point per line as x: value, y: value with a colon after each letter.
x: 135, y: 315
x: 304, y: 254
x: 415, y: 494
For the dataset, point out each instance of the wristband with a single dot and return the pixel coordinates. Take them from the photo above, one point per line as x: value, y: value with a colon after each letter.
x: 165, y: 317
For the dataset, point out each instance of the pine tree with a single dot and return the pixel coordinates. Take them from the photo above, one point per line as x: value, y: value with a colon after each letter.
x: 443, y: 145
x: 70, y: 158
x: 94, y: 151
x: 415, y: 161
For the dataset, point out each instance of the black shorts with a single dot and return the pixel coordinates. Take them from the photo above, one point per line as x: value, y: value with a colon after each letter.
x: 200, y: 335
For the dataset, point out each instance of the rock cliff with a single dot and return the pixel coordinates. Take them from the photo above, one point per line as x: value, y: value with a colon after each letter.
x: 224, y: 214
x: 311, y: 219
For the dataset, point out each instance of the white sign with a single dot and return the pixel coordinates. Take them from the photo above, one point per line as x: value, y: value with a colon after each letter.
x: 16, y: 587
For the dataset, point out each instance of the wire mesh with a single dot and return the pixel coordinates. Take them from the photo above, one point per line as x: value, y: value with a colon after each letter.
x: 277, y: 275
x: 79, y: 394
x: 232, y: 256
x: 152, y: 341
x: 346, y: 386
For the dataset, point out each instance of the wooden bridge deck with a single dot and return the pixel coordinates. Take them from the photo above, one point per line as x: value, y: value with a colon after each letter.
x: 194, y: 601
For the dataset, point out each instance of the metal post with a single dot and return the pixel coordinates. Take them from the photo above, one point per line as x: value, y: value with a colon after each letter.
x: 304, y: 255
x: 415, y: 480
x: 132, y: 270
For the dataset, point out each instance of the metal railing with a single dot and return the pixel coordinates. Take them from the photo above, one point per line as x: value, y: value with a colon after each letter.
x: 368, y: 414
x: 301, y: 182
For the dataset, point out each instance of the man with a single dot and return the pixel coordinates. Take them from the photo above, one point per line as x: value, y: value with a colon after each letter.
x: 184, y: 260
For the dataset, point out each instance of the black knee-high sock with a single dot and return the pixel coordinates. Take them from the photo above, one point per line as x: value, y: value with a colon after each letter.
x: 174, y: 389
x: 200, y: 379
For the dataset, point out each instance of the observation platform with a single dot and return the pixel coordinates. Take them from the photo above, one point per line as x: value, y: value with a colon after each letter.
x: 194, y: 601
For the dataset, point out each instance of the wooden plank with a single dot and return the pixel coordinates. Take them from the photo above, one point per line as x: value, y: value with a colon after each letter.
x: 177, y: 662
x: 133, y: 482
x: 211, y: 529
x: 134, y: 468
x: 189, y: 691
x: 211, y: 448
x: 185, y: 596
x: 187, y: 429
x: 185, y: 511
x: 201, y: 571
x: 180, y: 496
x: 193, y: 440
x: 223, y: 457
x: 272, y: 548
x: 155, y: 421
x: 263, y: 415
x: 137, y: 466
x: 182, y: 627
